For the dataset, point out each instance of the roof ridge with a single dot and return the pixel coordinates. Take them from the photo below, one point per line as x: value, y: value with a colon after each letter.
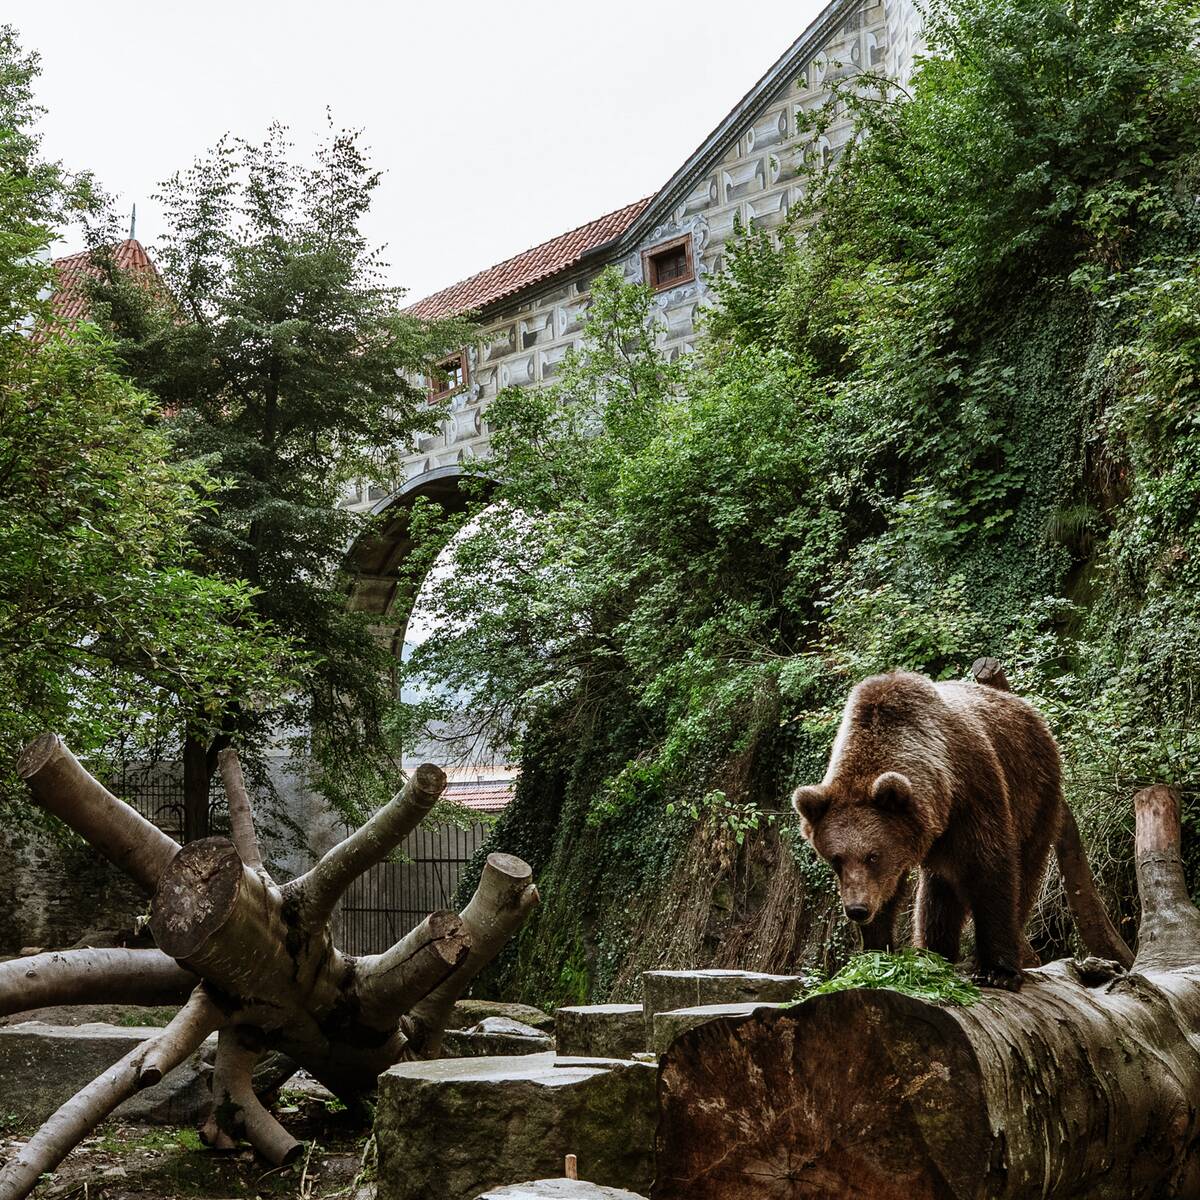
x: 539, y: 245
x: 434, y: 309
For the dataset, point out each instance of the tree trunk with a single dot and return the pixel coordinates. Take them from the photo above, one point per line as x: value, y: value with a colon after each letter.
x: 1083, y: 1085
x: 197, y: 779
x: 258, y: 959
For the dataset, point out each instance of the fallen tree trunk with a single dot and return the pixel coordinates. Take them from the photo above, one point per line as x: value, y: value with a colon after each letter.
x: 257, y: 958
x: 92, y: 976
x: 1083, y: 1085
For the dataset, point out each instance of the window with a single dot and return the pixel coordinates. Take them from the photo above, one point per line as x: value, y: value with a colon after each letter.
x: 670, y: 264
x: 448, y: 376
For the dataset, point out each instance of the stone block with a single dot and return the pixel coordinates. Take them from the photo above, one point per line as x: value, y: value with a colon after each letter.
x: 453, y: 1128
x: 495, y: 1036
x: 664, y: 991
x: 669, y: 1025
x: 559, y: 1189
x: 43, y: 1066
x: 467, y: 1013
x: 600, y: 1030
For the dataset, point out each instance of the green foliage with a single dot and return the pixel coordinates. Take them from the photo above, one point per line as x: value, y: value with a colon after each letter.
x: 287, y: 367
x: 951, y: 412
x: 917, y: 973
x: 106, y: 633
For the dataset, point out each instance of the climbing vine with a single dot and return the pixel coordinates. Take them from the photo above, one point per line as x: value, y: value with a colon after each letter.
x: 952, y: 411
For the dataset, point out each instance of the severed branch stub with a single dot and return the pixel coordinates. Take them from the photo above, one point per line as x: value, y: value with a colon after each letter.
x: 258, y: 959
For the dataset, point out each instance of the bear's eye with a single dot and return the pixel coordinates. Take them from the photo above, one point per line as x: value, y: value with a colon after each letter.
x: 872, y: 859
x: 836, y: 864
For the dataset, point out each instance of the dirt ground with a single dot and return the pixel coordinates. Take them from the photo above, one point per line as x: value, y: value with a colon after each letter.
x: 157, y: 1162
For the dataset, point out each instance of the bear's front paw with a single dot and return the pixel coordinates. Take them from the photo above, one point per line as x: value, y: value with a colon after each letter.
x: 999, y: 976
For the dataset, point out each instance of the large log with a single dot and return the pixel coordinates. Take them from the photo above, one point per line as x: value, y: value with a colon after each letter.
x: 260, y: 958
x: 1083, y: 1085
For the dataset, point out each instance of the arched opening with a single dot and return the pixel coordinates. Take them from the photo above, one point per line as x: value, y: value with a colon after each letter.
x: 390, y: 899
x: 375, y: 559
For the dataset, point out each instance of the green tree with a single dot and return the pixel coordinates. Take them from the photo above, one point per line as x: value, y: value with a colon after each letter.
x: 287, y: 365
x: 105, y: 635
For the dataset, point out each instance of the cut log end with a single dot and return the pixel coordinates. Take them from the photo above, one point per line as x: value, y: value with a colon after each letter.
x: 990, y: 673
x: 196, y: 895
x: 429, y: 779
x: 510, y: 866
x: 38, y: 753
x: 920, y: 1135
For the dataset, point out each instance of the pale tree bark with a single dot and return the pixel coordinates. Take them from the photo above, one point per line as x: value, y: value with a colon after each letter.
x: 92, y: 976
x: 241, y: 816
x: 1082, y: 1086
x: 270, y: 977
x: 236, y: 1110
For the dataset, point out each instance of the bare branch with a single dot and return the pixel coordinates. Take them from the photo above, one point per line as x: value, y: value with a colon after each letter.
x: 241, y: 815
x: 100, y: 976
x: 318, y: 890
x: 89, y: 1106
x: 388, y: 983
x: 62, y: 786
x: 505, y: 897
x: 236, y: 1110
x: 1169, y: 935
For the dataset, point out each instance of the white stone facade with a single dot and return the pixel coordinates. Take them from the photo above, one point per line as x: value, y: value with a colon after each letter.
x: 750, y: 170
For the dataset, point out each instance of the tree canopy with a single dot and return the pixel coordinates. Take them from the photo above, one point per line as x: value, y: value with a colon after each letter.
x: 949, y: 412
x: 106, y: 635
x: 286, y: 365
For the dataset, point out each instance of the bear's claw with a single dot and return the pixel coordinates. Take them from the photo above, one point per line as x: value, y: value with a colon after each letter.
x: 1007, y: 978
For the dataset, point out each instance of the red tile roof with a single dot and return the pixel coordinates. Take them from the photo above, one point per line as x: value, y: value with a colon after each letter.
x: 525, y: 269
x: 490, y: 795
x: 70, y: 301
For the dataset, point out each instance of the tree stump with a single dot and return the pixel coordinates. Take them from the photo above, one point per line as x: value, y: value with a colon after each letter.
x: 252, y: 959
x: 1083, y: 1085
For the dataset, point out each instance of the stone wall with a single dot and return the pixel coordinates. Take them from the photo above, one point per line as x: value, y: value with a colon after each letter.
x: 51, y: 895
x: 754, y: 180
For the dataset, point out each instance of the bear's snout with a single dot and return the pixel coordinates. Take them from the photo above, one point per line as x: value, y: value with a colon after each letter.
x: 858, y: 913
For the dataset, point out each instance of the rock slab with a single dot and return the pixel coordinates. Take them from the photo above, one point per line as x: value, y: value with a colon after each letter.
x: 43, y: 1066
x: 669, y: 1025
x: 453, y: 1128
x: 665, y: 991
x: 467, y: 1013
x: 600, y: 1030
x: 496, y: 1036
x: 559, y: 1189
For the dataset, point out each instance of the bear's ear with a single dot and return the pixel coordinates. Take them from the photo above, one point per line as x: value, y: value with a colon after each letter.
x: 892, y: 792
x: 812, y: 803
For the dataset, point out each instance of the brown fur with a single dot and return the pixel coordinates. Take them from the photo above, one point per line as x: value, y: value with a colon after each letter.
x: 960, y: 780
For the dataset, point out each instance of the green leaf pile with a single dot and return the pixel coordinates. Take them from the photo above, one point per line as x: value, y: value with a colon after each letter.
x: 917, y: 973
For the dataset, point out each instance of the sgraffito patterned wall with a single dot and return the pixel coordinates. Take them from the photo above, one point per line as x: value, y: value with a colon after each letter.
x: 755, y: 180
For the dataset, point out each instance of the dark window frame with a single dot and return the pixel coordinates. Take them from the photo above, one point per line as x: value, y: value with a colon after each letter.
x: 652, y: 253
x: 452, y: 388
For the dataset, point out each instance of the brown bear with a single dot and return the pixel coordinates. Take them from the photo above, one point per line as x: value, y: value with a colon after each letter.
x: 958, y: 779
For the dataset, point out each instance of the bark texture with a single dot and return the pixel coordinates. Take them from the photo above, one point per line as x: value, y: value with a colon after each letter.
x: 257, y: 958
x: 1082, y: 1085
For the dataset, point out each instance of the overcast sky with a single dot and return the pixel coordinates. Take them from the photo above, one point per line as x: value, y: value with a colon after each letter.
x: 498, y: 125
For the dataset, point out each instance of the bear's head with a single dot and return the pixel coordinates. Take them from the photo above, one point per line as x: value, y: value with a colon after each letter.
x: 871, y: 840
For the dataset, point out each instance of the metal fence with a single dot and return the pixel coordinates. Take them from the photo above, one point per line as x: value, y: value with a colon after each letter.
x: 381, y: 906
x: 155, y: 789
